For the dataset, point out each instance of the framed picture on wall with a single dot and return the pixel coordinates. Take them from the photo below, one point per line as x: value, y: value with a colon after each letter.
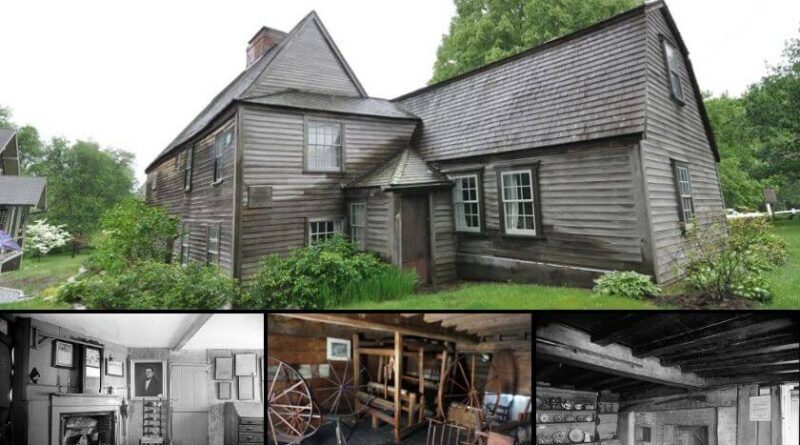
x: 224, y: 368
x: 224, y: 390
x: 245, y: 364
x: 246, y: 390
x: 63, y: 354
x: 148, y: 379
x: 338, y: 349
x: 92, y: 381
x: 114, y: 368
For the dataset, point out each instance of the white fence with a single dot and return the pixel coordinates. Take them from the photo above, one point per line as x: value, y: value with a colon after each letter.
x: 765, y: 214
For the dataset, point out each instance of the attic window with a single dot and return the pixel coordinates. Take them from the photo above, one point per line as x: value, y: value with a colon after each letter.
x: 323, y: 146
x: 671, y: 56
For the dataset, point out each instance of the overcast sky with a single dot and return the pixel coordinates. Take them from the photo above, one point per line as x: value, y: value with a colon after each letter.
x: 132, y: 74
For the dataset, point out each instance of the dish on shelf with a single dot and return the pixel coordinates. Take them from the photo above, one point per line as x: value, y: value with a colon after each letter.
x: 542, y: 438
x: 589, y: 418
x: 576, y: 435
x: 588, y: 406
x: 569, y: 418
x: 578, y: 406
x: 544, y: 417
x: 557, y: 418
x: 560, y: 437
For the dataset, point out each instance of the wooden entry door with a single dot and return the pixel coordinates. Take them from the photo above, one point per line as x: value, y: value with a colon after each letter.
x: 415, y: 246
x: 189, y: 395
x: 6, y: 349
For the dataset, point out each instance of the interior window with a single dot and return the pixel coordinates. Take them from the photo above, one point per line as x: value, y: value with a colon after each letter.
x: 324, y: 149
x: 466, y: 203
x: 518, y: 205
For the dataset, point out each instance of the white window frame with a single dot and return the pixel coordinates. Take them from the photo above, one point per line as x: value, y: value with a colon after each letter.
x: 312, y: 161
x: 212, y: 244
x: 459, y: 204
x: 362, y: 242
x: 314, y: 236
x: 673, y: 72
x: 188, y: 158
x: 218, y: 158
x: 684, y: 190
x: 185, y: 245
x: 512, y: 231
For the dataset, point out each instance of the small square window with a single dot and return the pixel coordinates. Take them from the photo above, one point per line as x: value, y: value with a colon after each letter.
x: 322, y: 229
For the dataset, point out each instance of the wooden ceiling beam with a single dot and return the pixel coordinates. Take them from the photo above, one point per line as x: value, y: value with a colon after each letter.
x: 753, y: 379
x: 617, y: 329
x: 386, y: 324
x: 752, y: 360
x: 493, y: 346
x: 773, y: 368
x: 558, y: 342
x: 723, y: 331
x: 487, y: 321
x: 190, y: 330
x: 739, y: 349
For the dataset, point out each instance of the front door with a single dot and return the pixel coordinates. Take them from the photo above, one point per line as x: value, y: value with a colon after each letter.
x: 415, y: 247
x: 189, y: 396
x: 6, y: 349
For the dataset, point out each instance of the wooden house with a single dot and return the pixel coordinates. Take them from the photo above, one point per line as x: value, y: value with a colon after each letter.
x: 668, y: 378
x: 18, y: 196
x: 131, y: 379
x: 588, y: 153
x: 399, y: 378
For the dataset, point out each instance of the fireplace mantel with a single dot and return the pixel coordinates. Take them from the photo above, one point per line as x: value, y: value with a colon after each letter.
x: 67, y: 403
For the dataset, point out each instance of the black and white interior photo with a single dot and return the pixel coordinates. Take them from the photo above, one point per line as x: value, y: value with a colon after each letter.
x: 667, y: 378
x: 131, y: 379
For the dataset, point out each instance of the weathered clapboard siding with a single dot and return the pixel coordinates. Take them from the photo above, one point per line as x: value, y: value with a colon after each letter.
x: 379, y: 229
x: 273, y: 156
x: 587, y: 87
x: 205, y: 204
x: 443, y: 240
x: 674, y: 132
x: 588, y: 207
x: 307, y: 63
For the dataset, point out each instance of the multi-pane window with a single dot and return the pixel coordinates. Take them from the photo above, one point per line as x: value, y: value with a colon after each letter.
x: 671, y: 54
x: 324, y: 151
x: 466, y: 203
x: 683, y: 183
x: 323, y: 229
x: 222, y: 142
x: 358, y: 213
x: 518, y: 206
x: 212, y: 244
x: 186, y: 158
x: 185, y: 233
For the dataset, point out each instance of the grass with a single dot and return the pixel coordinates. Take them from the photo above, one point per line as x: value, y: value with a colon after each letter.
x: 37, y: 275
x: 786, y: 281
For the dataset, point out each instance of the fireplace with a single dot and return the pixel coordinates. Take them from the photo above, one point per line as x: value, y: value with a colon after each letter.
x: 88, y: 428
x: 84, y: 419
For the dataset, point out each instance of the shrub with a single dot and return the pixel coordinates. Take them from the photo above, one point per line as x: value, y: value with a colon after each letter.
x: 723, y: 267
x: 130, y: 233
x: 153, y: 285
x: 326, y: 273
x: 41, y: 238
x: 626, y: 284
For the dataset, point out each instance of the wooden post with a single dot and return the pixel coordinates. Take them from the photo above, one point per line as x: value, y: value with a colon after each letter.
x: 356, y: 368
x: 440, y: 392
x: 398, y: 369
x: 421, y: 371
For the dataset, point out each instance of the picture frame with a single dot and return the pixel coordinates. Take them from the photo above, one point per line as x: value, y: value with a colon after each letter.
x: 90, y: 368
x: 224, y: 390
x: 246, y: 388
x: 223, y: 369
x: 63, y: 354
x: 245, y: 364
x: 157, y: 388
x: 338, y: 349
x: 115, y: 368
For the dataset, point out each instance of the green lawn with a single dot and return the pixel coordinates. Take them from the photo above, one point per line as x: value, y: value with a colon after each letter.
x: 786, y: 281
x: 37, y: 275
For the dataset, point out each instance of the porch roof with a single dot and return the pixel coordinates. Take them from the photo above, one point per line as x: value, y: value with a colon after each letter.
x: 406, y: 169
x: 23, y: 191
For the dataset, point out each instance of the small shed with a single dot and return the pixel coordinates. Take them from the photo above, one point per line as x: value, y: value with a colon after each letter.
x: 375, y: 378
x: 668, y: 378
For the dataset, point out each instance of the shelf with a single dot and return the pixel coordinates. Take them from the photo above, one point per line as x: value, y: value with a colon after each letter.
x: 568, y: 410
x: 564, y: 423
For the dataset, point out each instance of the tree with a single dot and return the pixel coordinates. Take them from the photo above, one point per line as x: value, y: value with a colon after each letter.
x: 5, y: 117
x: 483, y: 31
x: 41, y: 238
x: 31, y: 147
x: 773, y: 107
x: 83, y: 182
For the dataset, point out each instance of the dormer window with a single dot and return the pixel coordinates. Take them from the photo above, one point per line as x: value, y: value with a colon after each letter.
x: 671, y: 56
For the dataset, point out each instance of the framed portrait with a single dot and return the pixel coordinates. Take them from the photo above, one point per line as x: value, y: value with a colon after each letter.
x: 224, y: 390
x: 63, y: 354
x: 223, y: 369
x: 338, y: 349
x: 114, y: 368
x: 245, y: 364
x: 148, y: 379
x: 246, y: 388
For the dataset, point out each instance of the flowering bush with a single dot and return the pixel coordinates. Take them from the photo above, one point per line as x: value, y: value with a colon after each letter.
x: 42, y: 237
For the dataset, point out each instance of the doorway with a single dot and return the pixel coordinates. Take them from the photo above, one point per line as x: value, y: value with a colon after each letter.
x: 692, y: 435
x: 189, y: 396
x: 415, y: 237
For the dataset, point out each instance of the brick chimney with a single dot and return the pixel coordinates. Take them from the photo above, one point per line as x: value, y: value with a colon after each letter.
x: 262, y: 42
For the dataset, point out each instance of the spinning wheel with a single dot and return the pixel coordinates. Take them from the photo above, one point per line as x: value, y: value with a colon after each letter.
x: 338, y: 392
x: 462, y: 381
x: 291, y: 413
